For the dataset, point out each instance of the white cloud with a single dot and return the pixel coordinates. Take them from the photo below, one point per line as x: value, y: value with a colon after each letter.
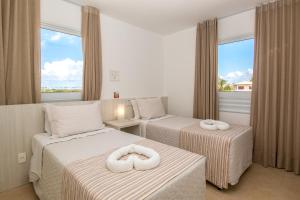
x: 57, y: 36
x: 234, y: 74
x: 250, y: 71
x: 66, y: 69
x: 43, y: 43
x: 238, y: 76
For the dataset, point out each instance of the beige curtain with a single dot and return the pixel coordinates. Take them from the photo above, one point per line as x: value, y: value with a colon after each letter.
x: 276, y: 86
x: 19, y: 51
x: 91, y: 42
x: 205, y: 89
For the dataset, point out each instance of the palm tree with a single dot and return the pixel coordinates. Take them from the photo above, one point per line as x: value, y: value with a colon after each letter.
x: 221, y: 84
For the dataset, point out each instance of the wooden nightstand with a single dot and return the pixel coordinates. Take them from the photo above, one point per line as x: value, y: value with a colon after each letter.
x: 127, y: 125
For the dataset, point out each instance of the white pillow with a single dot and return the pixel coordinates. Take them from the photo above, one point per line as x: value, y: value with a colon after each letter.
x: 47, y: 124
x: 135, y: 108
x: 70, y: 120
x: 47, y: 128
x: 151, y: 108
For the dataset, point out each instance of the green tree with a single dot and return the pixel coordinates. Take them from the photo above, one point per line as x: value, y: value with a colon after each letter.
x: 228, y: 88
x: 223, y: 86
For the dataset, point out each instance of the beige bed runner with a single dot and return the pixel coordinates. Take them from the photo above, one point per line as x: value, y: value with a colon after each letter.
x: 89, y: 179
x: 215, y: 145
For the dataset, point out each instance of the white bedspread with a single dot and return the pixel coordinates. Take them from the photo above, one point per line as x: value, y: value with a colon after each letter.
x: 167, y: 130
x: 39, y: 141
x: 53, y: 155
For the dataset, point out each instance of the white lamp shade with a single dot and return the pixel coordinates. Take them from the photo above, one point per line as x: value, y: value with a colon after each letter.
x: 121, y: 111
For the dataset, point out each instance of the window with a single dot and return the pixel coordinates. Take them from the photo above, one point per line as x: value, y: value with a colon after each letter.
x: 61, y: 63
x: 236, y: 66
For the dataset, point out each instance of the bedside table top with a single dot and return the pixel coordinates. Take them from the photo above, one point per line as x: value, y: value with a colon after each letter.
x: 123, y: 123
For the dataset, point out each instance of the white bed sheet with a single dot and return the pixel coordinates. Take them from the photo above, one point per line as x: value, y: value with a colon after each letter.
x: 240, y: 156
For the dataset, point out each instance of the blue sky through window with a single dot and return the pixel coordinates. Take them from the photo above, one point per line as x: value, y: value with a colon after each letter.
x: 61, y: 60
x: 236, y: 60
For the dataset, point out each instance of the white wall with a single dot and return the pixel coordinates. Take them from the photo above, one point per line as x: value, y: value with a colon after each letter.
x: 136, y: 53
x: 179, y: 63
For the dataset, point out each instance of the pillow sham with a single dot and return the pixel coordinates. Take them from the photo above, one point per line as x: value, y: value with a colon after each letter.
x: 151, y: 108
x: 135, y: 108
x: 47, y: 128
x: 70, y: 120
x: 47, y: 124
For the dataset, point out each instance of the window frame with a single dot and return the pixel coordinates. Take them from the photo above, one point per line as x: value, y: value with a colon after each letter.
x: 61, y: 96
x: 235, y: 101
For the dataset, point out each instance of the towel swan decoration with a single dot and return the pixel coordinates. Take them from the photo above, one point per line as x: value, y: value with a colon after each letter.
x: 210, y: 124
x: 116, y: 165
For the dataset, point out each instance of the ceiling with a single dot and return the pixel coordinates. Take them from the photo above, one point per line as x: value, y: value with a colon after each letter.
x: 168, y: 16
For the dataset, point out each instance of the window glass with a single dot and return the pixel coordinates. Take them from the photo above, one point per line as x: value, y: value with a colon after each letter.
x: 235, y: 66
x: 61, y: 62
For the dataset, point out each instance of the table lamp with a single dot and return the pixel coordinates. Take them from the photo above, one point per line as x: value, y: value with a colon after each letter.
x: 121, y: 112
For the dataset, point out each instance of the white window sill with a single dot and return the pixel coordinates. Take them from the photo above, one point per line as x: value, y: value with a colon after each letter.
x: 235, y: 102
x: 55, y: 97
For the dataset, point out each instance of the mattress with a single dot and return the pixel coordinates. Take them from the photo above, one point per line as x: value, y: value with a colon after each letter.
x: 56, y: 156
x: 167, y: 130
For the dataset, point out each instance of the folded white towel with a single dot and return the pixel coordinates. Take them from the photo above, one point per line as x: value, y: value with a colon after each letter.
x: 208, y: 124
x: 214, y: 125
x: 114, y: 163
x: 222, y: 125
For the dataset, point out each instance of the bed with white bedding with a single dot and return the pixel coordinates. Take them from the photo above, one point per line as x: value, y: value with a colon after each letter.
x: 168, y: 130
x: 54, y: 157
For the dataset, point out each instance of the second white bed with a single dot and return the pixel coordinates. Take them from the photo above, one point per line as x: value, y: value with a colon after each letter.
x: 167, y: 130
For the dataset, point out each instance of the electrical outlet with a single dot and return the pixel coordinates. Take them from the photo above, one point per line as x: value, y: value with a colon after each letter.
x: 22, y: 157
x: 114, y: 75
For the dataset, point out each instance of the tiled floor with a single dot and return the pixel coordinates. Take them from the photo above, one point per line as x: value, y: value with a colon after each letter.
x: 257, y: 183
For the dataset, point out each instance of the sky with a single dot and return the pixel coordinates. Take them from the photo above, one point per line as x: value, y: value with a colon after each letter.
x: 61, y: 59
x: 235, y: 61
